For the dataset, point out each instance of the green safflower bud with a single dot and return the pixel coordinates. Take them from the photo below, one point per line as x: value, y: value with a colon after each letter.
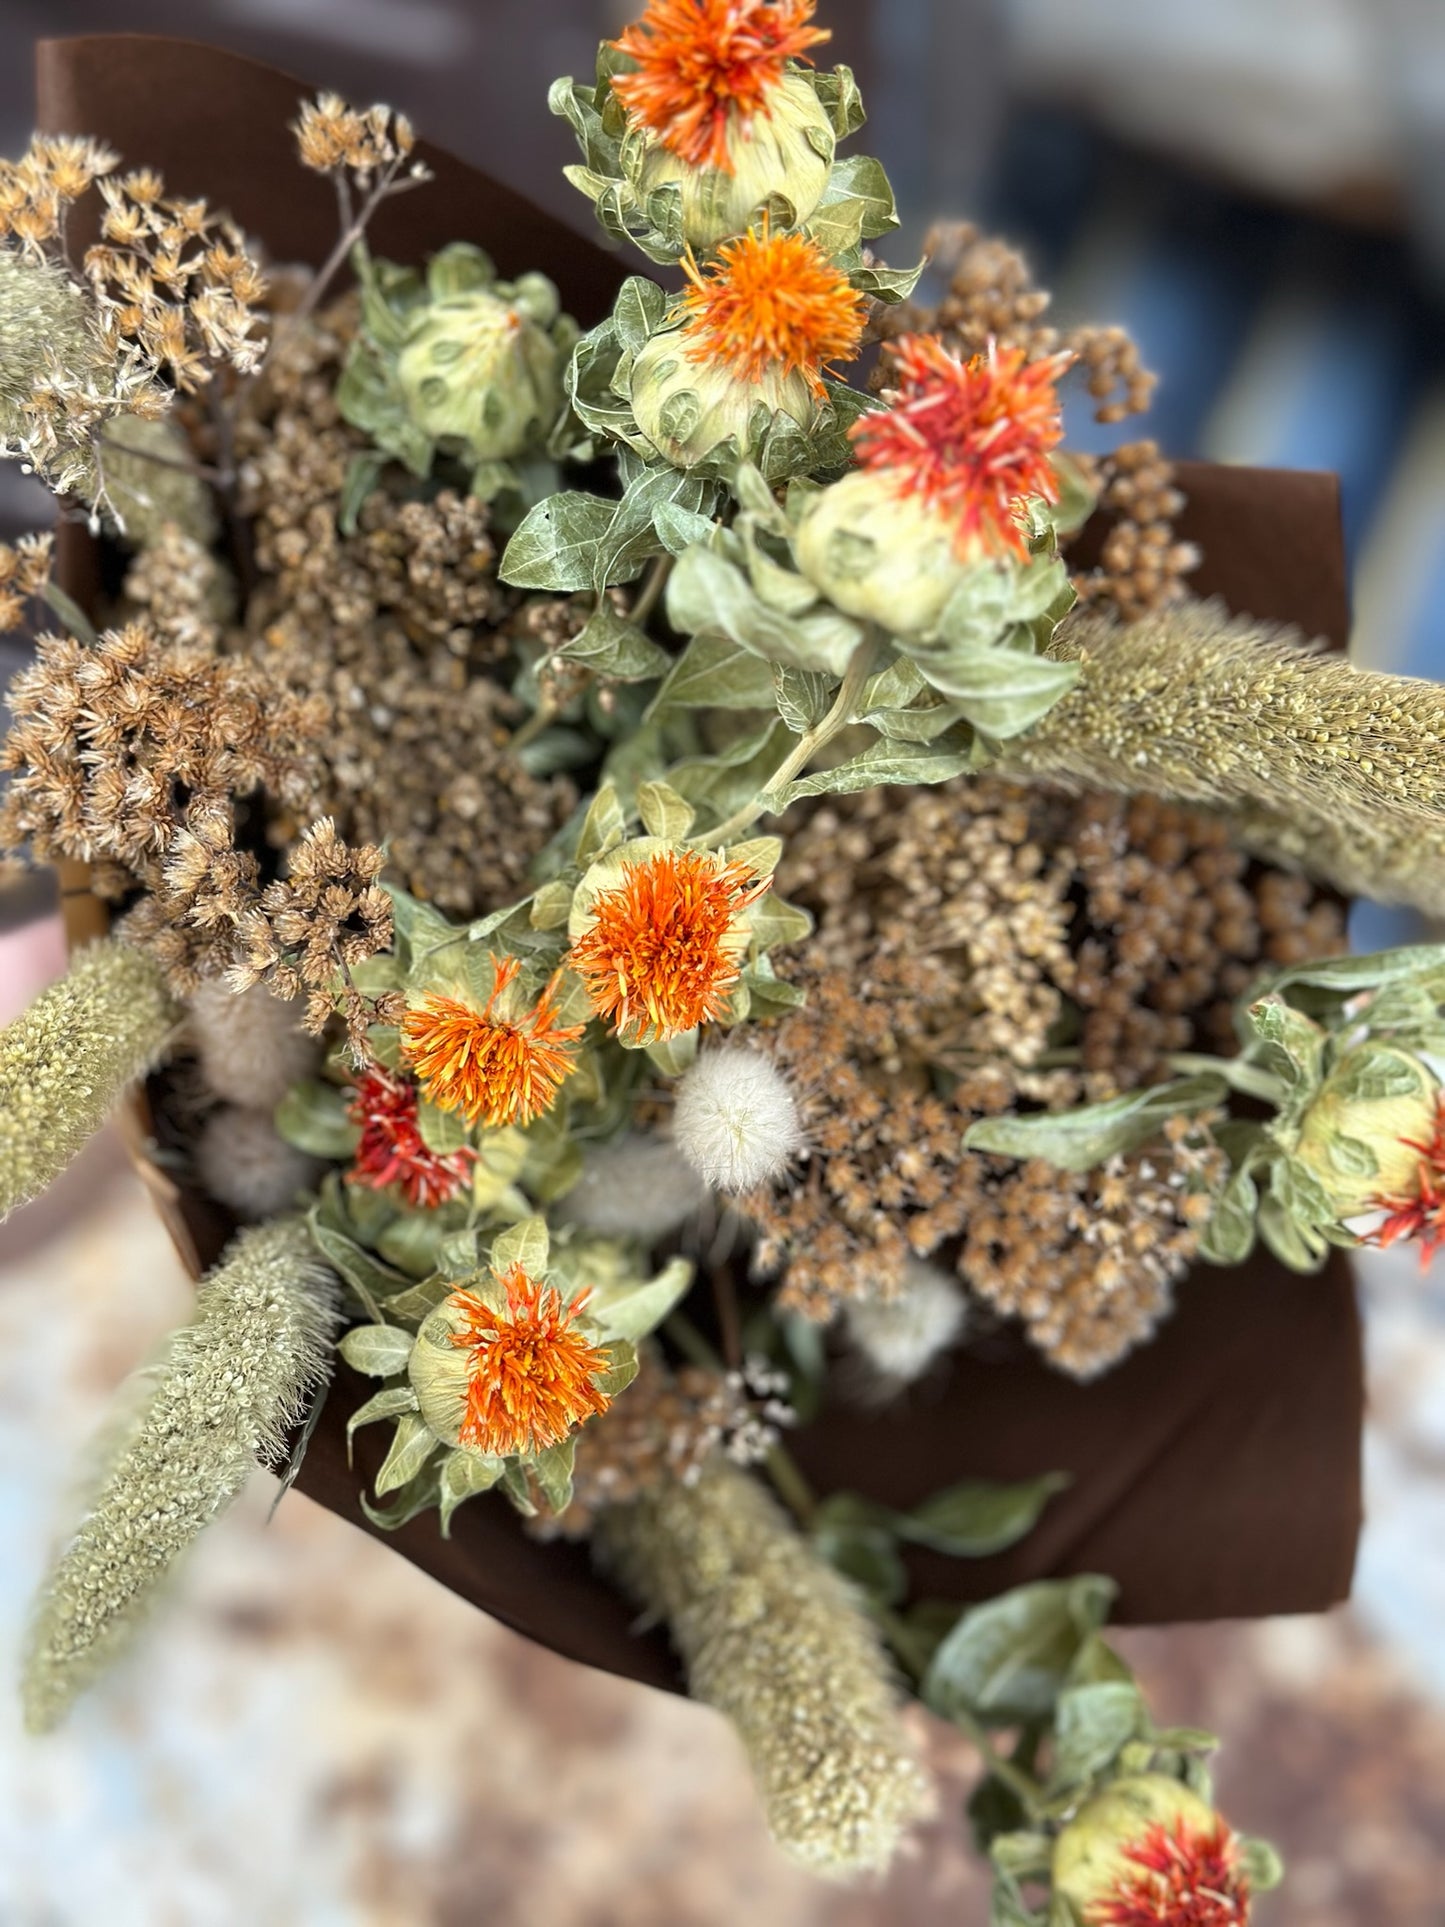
x: 1392, y: 1129
x: 688, y: 407
x: 1147, y: 1850
x: 485, y: 370
x: 778, y: 161
x: 881, y: 553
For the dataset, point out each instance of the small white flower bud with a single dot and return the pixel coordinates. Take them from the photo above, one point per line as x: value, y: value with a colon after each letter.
x: 736, y: 1121
x: 251, y: 1047
x: 901, y: 1337
x: 637, y: 1187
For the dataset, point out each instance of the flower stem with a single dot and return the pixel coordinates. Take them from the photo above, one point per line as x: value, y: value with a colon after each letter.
x: 790, y: 1485
x: 651, y: 591
x: 803, y: 751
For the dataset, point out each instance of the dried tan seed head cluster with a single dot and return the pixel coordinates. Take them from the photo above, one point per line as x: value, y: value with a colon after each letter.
x: 331, y: 135
x: 401, y: 626
x: 329, y: 913
x: 1142, y: 563
x: 950, y: 920
x: 181, y: 589
x: 36, y: 190
x: 133, y: 754
x: 24, y: 574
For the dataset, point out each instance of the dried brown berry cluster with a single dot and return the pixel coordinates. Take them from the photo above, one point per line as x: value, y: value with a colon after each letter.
x: 982, y: 946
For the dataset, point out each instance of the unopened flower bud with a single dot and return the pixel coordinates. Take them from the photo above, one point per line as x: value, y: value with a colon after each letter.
x: 1395, y: 1130
x: 881, y: 553
x: 780, y: 155
x: 736, y: 1120
x: 1148, y: 1850
x: 485, y: 370
x: 687, y: 406
x: 900, y: 1337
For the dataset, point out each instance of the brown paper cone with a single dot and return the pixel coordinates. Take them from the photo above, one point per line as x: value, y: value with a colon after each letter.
x: 1216, y: 1473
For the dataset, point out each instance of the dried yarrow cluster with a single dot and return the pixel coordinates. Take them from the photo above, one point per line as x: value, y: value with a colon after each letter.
x: 24, y: 576
x: 990, y: 296
x: 132, y: 754
x: 1102, y: 934
x: 402, y: 626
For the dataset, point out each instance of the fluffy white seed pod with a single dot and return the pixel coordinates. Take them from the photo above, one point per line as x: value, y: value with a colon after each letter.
x: 736, y: 1120
x: 250, y: 1046
x: 243, y: 1160
x: 900, y: 1338
x: 637, y: 1187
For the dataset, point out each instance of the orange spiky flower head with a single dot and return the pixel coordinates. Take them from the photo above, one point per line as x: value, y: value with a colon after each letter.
x: 1150, y: 1853
x: 761, y: 325
x: 500, y: 1064
x: 943, y: 479
x: 658, y: 937
x: 707, y: 68
x: 510, y: 1377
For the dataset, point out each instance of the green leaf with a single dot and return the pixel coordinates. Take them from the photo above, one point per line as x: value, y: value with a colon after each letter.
x: 312, y: 1116
x: 1347, y: 976
x: 413, y: 1305
x: 881, y: 762
x: 556, y: 543
x: 1286, y: 1043
x: 639, y: 307
x: 377, y: 1350
x: 663, y: 811
x: 714, y: 673
x: 441, y: 1131
x: 842, y: 101
x: 1092, y: 1726
x: 678, y: 527
x: 525, y: 1244
x: 979, y: 1517
x: 392, y: 1402
x: 1006, y: 1662
x: 802, y: 696
x: 866, y: 1554
x: 631, y: 538
x: 674, y: 1055
x: 1372, y: 1071
x: 1000, y: 690
x: 611, y: 646
x: 1262, y: 1865
x: 603, y: 826
x: 371, y: 1281
x: 706, y: 594
x: 411, y: 1447
x: 1228, y: 1238
x: 419, y: 1496
x: 463, y: 1476
x: 632, y: 1310
x: 552, y: 1470
x: 1079, y: 1140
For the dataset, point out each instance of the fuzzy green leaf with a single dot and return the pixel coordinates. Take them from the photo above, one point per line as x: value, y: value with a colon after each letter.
x: 1082, y: 1139
x: 463, y: 1476
x: 1228, y: 1238
x: 411, y: 1447
x: 557, y: 542
x: 632, y: 1311
x: 1006, y: 1662
x: 979, y: 1517
x: 312, y: 1116
x: 881, y: 762
x: 713, y: 673
x: 377, y: 1350
x: 393, y: 1401
x: 1092, y: 1726
x: 611, y: 646
x: 663, y: 811
x: 706, y: 594
x: 370, y: 1281
x: 525, y: 1244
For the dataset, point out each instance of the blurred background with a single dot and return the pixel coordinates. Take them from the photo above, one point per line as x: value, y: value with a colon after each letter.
x: 318, y: 1735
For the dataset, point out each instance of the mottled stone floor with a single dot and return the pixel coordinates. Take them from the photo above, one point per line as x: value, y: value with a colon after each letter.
x: 314, y: 1734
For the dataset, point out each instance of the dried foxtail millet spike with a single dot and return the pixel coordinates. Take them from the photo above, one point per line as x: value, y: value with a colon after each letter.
x: 66, y: 1061
x: 1200, y: 707
x: 231, y: 1385
x: 774, y: 1640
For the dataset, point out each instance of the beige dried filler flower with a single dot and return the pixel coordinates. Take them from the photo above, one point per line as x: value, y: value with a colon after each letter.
x: 774, y: 1639
x: 229, y: 1388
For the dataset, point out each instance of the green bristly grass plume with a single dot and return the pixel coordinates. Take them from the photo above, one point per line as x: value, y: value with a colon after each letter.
x: 66, y: 1061
x: 223, y: 1398
x: 1329, y: 768
x: 773, y: 1639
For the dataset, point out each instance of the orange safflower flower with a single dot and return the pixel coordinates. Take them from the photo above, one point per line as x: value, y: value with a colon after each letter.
x: 1419, y: 1218
x: 773, y: 303
x: 493, y: 1068
x: 969, y: 437
x: 531, y: 1372
x: 700, y: 62
x: 1178, y: 1875
x: 662, y: 952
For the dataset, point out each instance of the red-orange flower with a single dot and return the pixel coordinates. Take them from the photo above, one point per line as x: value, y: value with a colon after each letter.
x: 531, y: 1371
x: 1179, y: 1875
x: 492, y: 1065
x: 970, y: 438
x: 1418, y: 1218
x: 772, y: 304
x: 392, y: 1149
x: 662, y: 953
x: 702, y: 62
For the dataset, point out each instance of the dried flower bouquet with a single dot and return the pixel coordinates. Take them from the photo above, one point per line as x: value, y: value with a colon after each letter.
x: 674, y: 903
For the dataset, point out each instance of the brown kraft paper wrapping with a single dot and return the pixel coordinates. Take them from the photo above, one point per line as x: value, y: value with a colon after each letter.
x: 1216, y: 1472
